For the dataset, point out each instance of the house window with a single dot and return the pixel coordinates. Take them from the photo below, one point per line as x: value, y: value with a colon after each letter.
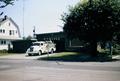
x: 3, y: 42
x: 9, y: 24
x: 3, y: 31
x: 13, y: 32
x: 10, y: 32
x: 0, y: 30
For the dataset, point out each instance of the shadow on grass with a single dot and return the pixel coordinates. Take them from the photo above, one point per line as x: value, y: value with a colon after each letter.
x: 78, y: 57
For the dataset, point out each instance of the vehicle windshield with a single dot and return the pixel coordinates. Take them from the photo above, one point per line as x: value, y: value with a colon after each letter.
x: 36, y: 44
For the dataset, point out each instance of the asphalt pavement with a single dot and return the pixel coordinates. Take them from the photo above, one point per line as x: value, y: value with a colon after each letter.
x: 20, y: 67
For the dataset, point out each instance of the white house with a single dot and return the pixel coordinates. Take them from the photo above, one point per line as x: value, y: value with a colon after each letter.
x: 9, y: 31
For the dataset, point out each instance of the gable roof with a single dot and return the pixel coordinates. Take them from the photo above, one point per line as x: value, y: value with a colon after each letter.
x: 3, y: 20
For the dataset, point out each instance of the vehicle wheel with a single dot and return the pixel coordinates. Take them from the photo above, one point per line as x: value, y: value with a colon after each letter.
x: 40, y: 52
x: 29, y: 54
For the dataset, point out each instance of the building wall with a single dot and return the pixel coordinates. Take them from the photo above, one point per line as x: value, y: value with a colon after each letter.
x: 62, y: 43
x: 7, y: 28
x: 8, y: 33
x: 58, y: 38
x: 5, y: 44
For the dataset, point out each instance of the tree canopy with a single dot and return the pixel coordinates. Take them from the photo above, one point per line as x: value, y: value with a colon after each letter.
x: 98, y: 21
x: 93, y: 20
x: 4, y: 3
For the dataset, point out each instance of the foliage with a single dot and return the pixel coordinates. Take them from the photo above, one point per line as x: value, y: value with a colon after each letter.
x: 29, y: 37
x: 97, y: 20
x: 4, y: 3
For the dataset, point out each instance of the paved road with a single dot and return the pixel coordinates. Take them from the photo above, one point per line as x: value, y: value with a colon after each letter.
x: 22, y: 69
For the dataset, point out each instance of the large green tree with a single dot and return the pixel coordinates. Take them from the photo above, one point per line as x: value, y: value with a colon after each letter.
x: 93, y: 21
x: 4, y: 3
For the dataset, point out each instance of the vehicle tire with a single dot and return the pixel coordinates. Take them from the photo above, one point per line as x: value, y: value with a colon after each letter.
x: 40, y: 52
x: 29, y: 55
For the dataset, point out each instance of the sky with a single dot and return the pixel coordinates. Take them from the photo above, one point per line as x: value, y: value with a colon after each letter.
x: 45, y: 15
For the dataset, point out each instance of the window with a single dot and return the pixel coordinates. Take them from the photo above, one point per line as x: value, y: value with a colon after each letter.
x: 36, y: 44
x: 13, y: 32
x: 3, y: 42
x: 0, y: 30
x: 3, y: 31
x: 10, y: 32
x: 9, y: 24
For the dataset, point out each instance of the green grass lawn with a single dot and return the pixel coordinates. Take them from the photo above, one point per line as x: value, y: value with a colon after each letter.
x: 5, y: 53
x: 77, y: 57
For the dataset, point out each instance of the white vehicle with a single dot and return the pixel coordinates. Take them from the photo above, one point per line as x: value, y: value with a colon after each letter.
x: 41, y: 47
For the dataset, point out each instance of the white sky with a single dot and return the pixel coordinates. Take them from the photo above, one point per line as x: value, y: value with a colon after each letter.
x: 45, y: 15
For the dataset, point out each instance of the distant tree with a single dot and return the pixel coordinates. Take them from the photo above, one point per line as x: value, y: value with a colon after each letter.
x: 29, y: 37
x: 4, y: 3
x: 93, y: 21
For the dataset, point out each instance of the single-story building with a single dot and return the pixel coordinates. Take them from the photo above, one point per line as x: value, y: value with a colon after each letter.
x: 61, y: 41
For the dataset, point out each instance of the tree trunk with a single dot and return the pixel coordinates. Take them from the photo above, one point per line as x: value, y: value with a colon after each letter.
x: 90, y: 2
x: 93, y: 48
x: 111, y: 49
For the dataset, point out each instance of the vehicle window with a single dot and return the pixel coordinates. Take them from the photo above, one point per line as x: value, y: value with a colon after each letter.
x: 36, y: 44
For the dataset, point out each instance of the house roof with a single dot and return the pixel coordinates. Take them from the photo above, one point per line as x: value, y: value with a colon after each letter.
x: 3, y: 20
x: 51, y: 36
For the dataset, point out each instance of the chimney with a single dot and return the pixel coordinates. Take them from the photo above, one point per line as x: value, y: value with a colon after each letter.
x: 5, y: 17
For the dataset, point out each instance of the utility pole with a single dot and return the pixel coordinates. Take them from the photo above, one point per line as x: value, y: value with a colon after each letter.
x: 34, y: 32
x: 23, y: 17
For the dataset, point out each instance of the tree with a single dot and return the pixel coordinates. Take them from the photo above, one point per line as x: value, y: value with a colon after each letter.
x: 29, y: 37
x: 4, y: 3
x: 93, y: 21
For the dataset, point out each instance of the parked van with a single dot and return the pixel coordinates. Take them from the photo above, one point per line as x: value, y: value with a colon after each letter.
x: 41, y: 47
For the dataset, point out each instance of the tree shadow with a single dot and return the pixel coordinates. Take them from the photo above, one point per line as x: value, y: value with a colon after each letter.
x: 79, y: 58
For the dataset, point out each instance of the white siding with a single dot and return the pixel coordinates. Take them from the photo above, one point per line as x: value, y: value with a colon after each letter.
x: 4, y: 46
x: 8, y: 33
x: 9, y: 26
